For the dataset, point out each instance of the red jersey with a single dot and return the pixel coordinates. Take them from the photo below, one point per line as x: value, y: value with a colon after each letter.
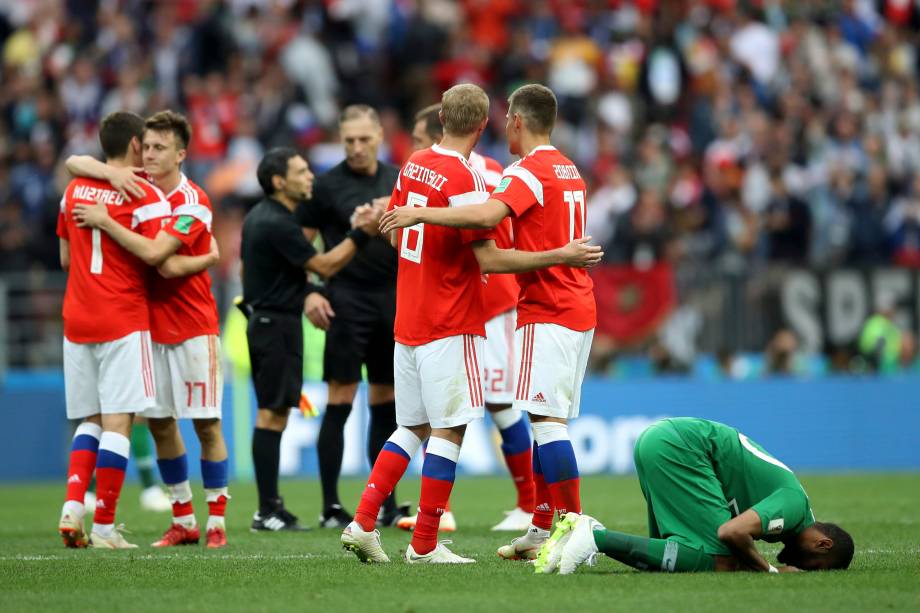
x: 106, y: 298
x: 183, y: 307
x: 438, y: 285
x: 546, y: 195
x: 502, y: 290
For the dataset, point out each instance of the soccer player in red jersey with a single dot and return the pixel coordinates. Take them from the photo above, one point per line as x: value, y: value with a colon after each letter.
x: 500, y: 296
x: 108, y: 358
x: 184, y: 329
x: 439, y: 328
x: 544, y: 195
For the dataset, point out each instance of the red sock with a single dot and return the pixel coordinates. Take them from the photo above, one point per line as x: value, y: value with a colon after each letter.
x: 438, y: 474
x: 566, y: 496
x: 433, y: 504
x: 110, y: 475
x: 543, y: 503
x: 183, y: 509
x: 388, y: 470
x: 83, y: 453
x: 217, y: 508
x: 520, y: 465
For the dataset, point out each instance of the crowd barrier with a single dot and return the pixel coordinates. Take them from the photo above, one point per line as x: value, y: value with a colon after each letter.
x: 828, y: 424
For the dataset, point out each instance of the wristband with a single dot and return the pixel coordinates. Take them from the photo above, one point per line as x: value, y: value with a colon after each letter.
x: 773, y: 569
x: 360, y: 237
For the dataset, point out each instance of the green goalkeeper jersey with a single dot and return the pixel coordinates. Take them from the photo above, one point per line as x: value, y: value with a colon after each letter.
x: 750, y: 477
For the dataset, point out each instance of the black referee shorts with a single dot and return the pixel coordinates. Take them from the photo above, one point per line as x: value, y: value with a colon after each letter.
x: 360, y: 333
x: 276, y: 355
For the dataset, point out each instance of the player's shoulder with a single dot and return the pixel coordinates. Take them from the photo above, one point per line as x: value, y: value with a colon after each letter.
x: 196, y: 191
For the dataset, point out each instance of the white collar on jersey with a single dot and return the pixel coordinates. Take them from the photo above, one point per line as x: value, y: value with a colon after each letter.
x: 439, y: 149
x: 183, y: 181
x: 541, y: 148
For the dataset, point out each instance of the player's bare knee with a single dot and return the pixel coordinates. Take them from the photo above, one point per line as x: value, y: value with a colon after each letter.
x: 422, y: 431
x: 117, y: 422
x: 94, y: 419
x: 268, y: 419
x: 379, y: 393
x: 342, y: 393
x: 454, y: 435
x: 162, y: 429
x: 208, y: 430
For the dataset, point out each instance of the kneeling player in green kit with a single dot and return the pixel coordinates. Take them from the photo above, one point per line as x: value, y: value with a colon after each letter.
x: 710, y: 492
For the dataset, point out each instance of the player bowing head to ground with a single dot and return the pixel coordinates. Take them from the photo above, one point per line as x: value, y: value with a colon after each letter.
x: 711, y: 492
x: 108, y: 370
x: 544, y: 195
x: 439, y: 329
x: 500, y: 296
x: 184, y: 329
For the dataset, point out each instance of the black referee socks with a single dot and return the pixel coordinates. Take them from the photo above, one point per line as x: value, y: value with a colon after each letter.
x: 330, y: 446
x: 266, y: 455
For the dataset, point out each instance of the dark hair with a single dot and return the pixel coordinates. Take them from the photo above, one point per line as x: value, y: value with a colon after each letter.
x: 841, y: 552
x: 275, y: 163
x: 171, y: 121
x: 433, y: 127
x: 116, y: 131
x: 536, y: 104
x: 838, y: 556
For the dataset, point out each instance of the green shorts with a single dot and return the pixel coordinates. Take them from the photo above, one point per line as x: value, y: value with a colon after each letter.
x: 684, y: 497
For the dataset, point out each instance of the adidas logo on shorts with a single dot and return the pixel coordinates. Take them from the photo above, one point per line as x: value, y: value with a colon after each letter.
x: 538, y: 398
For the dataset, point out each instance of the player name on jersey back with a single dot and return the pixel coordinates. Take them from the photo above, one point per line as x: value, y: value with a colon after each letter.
x: 92, y: 193
x: 429, y: 177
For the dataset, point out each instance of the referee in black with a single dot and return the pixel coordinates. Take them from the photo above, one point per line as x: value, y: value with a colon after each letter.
x: 276, y: 257
x: 358, y: 308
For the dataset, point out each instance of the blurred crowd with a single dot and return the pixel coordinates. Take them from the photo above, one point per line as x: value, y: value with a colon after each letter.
x: 719, y: 134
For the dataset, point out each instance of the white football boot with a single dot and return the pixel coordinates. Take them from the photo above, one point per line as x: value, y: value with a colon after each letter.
x: 516, y: 520
x: 439, y: 555
x: 115, y: 540
x: 551, y: 552
x: 524, y: 547
x: 580, y: 548
x: 365, y: 545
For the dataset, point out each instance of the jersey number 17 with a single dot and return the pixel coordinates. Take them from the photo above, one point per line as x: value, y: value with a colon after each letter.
x: 577, y: 213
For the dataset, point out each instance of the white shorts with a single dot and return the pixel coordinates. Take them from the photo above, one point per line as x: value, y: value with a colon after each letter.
x: 112, y: 377
x: 438, y: 383
x: 498, y: 358
x: 190, y: 382
x: 552, y: 360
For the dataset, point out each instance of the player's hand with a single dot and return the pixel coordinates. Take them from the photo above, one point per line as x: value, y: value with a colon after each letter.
x: 318, y: 310
x: 91, y: 215
x: 213, y: 253
x: 399, y: 217
x: 127, y: 182
x: 367, y: 218
x: 789, y: 569
x: 579, y: 254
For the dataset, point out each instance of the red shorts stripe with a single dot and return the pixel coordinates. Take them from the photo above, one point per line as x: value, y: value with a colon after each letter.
x: 466, y: 363
x: 476, y: 372
x: 146, y: 365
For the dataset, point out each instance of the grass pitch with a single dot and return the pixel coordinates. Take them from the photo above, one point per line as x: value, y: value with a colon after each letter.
x: 310, y: 572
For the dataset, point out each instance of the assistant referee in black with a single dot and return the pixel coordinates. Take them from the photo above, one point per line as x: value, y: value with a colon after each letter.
x: 359, y: 305
x: 275, y: 258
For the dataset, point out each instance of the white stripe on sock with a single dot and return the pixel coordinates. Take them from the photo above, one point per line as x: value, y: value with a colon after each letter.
x: 549, y: 432
x: 444, y: 448
x: 506, y: 418
x: 90, y: 429
x: 406, y: 440
x: 116, y: 443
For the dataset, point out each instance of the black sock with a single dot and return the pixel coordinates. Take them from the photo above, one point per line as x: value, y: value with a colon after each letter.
x: 330, y: 445
x: 266, y: 454
x: 383, y: 424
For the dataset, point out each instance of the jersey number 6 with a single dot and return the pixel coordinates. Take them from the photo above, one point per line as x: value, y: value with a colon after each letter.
x: 413, y: 235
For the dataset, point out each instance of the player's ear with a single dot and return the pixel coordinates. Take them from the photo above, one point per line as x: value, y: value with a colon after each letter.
x: 825, y: 543
x: 182, y: 154
x: 277, y: 183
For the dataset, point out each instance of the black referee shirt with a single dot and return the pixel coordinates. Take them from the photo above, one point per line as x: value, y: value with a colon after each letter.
x: 336, y: 195
x: 274, y: 252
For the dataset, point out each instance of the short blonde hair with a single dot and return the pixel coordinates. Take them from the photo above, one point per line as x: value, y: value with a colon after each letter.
x: 463, y: 108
